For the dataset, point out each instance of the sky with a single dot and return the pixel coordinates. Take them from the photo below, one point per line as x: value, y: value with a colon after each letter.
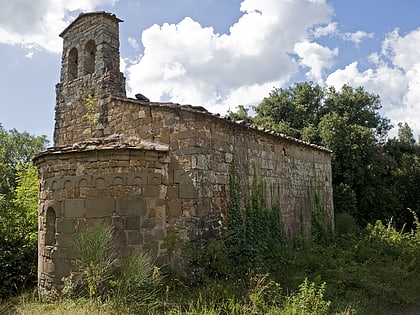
x: 218, y: 53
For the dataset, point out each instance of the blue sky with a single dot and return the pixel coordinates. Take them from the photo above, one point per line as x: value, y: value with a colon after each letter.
x: 218, y: 53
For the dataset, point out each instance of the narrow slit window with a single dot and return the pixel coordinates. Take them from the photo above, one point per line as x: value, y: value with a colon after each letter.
x: 50, y: 227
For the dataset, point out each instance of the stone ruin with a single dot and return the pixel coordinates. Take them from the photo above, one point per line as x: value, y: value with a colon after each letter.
x: 151, y: 169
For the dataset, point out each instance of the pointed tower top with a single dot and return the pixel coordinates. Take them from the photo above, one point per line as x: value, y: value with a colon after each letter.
x: 89, y: 14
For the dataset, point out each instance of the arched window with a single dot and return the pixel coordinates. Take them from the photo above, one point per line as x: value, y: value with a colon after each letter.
x: 90, y: 52
x: 50, y: 227
x: 72, y: 64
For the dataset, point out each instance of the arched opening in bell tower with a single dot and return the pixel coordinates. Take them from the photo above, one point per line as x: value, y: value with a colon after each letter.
x: 89, y: 57
x: 72, y: 64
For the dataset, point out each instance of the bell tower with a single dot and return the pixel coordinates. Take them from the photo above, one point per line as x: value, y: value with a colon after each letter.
x: 90, y: 76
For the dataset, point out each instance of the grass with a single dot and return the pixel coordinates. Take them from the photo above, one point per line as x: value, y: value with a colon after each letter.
x: 374, y: 272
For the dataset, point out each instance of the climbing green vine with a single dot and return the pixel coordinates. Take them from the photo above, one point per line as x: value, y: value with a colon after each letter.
x: 255, y: 232
x: 91, y: 114
x: 321, y: 223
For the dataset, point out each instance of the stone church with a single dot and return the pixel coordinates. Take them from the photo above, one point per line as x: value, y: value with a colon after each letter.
x: 151, y: 169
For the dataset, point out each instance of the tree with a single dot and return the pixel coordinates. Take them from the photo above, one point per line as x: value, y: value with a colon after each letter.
x: 16, y: 148
x: 18, y: 210
x: 18, y: 234
x: 295, y: 111
x: 241, y: 114
x: 353, y: 129
x: 405, y: 134
x: 404, y: 154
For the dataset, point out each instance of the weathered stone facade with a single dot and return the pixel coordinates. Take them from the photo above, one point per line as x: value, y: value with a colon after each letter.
x: 150, y: 169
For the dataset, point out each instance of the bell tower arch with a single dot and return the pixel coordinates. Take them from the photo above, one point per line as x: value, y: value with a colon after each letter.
x: 90, y: 75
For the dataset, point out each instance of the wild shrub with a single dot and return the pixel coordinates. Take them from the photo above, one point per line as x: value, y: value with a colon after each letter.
x: 309, y: 300
x: 131, y: 284
x: 137, y: 283
x: 264, y: 295
x: 96, y: 262
x: 345, y: 224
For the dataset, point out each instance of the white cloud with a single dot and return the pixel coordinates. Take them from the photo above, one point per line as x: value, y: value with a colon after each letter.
x: 374, y: 80
x: 29, y: 55
x: 133, y: 43
x: 188, y: 63
x: 38, y: 22
x: 404, y: 51
x: 356, y: 37
x: 315, y: 57
x: 395, y: 76
x: 329, y: 29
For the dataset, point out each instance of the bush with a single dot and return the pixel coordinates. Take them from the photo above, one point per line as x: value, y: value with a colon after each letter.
x: 130, y: 284
x: 138, y: 282
x: 309, y: 300
x: 345, y: 224
x: 96, y: 262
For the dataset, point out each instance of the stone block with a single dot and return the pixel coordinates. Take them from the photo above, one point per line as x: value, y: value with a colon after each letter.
x: 169, y: 122
x: 131, y: 222
x: 41, y: 237
x: 74, y: 208
x: 204, y: 207
x: 181, y: 177
x: 154, y: 179
x: 93, y: 192
x: 151, y: 248
x: 174, y: 208
x: 100, y: 207
x: 151, y: 191
x: 134, y: 237
x: 151, y: 155
x: 137, y: 179
x: 187, y: 190
x: 69, y: 253
x: 131, y: 206
x: 172, y: 191
x: 148, y: 223
x: 64, y: 240
x: 186, y: 134
x: 68, y: 226
x: 49, y: 266
x: 62, y: 270
x: 199, y: 162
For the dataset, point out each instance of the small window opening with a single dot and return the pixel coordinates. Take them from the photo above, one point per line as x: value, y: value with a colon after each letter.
x: 72, y: 64
x: 90, y: 53
x: 50, y: 227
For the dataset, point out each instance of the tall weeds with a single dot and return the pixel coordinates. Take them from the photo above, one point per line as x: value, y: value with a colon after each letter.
x: 97, y: 259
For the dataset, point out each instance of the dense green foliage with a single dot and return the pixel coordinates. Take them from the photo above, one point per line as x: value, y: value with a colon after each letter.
x: 373, y: 178
x: 16, y: 148
x: 255, y: 230
x: 18, y: 210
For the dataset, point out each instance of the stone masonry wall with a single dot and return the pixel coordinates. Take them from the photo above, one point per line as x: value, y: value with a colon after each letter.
x: 201, y: 148
x: 124, y: 188
x: 91, y: 36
